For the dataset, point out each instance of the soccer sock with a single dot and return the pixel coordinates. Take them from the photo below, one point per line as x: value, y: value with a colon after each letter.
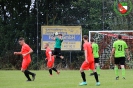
x: 83, y: 76
x: 29, y: 72
x: 123, y: 72
x: 98, y: 69
x: 50, y: 71
x: 54, y: 69
x: 27, y: 75
x: 96, y: 76
x: 63, y: 61
x: 116, y: 71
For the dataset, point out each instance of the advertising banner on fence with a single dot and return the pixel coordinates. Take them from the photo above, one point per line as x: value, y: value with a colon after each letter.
x: 72, y: 36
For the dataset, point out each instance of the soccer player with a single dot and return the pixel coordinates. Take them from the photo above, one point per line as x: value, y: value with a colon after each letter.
x: 57, y: 48
x: 95, y: 48
x: 25, y: 52
x: 89, y: 62
x: 50, y: 58
x: 119, y: 48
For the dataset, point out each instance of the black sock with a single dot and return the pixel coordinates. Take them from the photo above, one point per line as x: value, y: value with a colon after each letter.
x: 29, y: 72
x: 96, y: 76
x: 54, y: 69
x: 50, y: 71
x: 63, y: 61
x: 27, y: 75
x: 83, y: 76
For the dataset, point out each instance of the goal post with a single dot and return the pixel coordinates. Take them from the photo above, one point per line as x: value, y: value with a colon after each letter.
x: 105, y: 41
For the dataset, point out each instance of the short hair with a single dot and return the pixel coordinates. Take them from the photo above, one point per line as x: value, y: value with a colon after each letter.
x: 119, y: 37
x: 21, y: 38
x: 60, y: 34
x: 92, y: 40
x: 85, y: 37
x: 47, y: 44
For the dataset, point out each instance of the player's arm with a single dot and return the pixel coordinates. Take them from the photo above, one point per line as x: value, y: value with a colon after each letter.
x: 17, y: 53
x: 112, y: 54
x: 50, y: 55
x: 30, y: 51
x: 85, y: 51
x: 127, y: 51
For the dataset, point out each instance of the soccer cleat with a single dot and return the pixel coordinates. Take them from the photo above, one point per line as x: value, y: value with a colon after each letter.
x: 117, y: 78
x: 58, y: 72
x: 83, y: 83
x: 28, y: 80
x: 33, y: 77
x: 91, y: 74
x: 124, y: 78
x: 98, y: 84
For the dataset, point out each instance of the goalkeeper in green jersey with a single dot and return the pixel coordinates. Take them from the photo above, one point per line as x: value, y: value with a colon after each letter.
x: 95, y: 48
x: 119, y: 48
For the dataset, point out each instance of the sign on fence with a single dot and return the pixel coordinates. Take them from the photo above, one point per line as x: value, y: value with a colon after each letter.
x: 72, y: 36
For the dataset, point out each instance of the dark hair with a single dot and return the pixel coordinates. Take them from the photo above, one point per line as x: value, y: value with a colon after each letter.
x: 85, y: 37
x: 119, y: 37
x: 47, y: 44
x: 60, y: 34
x: 21, y: 38
x: 92, y: 40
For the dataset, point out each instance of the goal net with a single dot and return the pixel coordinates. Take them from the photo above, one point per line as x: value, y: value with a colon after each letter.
x: 105, y: 41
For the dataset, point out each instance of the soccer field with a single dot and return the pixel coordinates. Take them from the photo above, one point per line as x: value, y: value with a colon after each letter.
x: 67, y: 79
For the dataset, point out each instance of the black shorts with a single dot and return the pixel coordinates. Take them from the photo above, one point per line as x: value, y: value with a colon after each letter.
x: 96, y: 60
x: 120, y: 60
x: 57, y: 52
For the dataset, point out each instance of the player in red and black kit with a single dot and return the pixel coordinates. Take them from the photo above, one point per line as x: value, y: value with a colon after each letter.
x: 89, y: 62
x: 25, y: 52
x: 50, y: 59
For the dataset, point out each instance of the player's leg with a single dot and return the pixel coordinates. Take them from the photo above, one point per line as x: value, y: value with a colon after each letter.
x: 50, y: 71
x: 49, y: 66
x: 122, y: 63
x: 116, y: 68
x: 23, y: 69
x: 83, y: 66
x: 83, y: 77
x: 92, y: 67
x: 26, y: 74
x: 62, y: 57
x: 97, y: 66
x: 91, y: 74
x: 53, y: 68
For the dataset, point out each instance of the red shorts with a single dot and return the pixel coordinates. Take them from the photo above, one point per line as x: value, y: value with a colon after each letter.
x: 50, y: 64
x: 87, y: 66
x: 25, y: 64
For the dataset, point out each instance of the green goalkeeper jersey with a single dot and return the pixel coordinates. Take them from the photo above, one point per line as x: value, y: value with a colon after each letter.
x: 58, y: 42
x: 120, y: 47
x: 95, y: 50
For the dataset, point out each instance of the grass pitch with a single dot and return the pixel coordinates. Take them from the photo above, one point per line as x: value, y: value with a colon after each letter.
x: 67, y: 79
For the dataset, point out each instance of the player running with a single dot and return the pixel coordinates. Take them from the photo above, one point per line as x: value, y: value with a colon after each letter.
x: 57, y: 48
x: 95, y: 48
x: 50, y: 58
x: 88, y: 63
x: 25, y: 52
x: 119, y: 48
